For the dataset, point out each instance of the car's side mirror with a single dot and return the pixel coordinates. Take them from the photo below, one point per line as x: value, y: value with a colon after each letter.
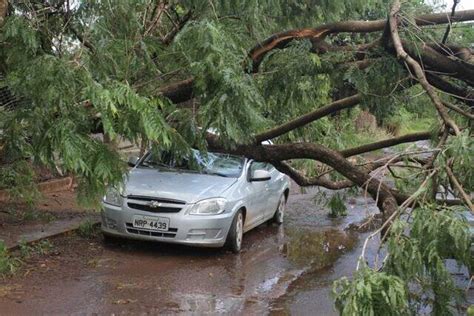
x: 260, y: 175
x: 133, y: 160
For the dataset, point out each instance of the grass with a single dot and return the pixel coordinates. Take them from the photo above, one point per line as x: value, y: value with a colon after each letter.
x: 417, y: 125
x: 32, y: 215
x: 87, y: 229
x: 42, y: 247
x: 8, y: 264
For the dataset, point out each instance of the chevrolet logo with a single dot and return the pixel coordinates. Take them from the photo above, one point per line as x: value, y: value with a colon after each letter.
x: 154, y: 204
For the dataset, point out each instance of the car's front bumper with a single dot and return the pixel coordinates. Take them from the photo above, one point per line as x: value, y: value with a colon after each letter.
x: 195, y: 230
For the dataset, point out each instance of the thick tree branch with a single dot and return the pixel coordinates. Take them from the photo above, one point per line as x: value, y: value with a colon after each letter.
x: 303, y: 181
x: 433, y: 60
x: 462, y: 94
x: 322, y: 181
x: 179, y: 91
x: 463, y: 53
x: 280, y: 40
x: 379, y: 191
x: 408, y: 138
x: 419, y: 73
x: 459, y: 110
x: 309, y: 117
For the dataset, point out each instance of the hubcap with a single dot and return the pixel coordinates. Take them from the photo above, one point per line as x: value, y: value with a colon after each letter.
x: 239, y: 230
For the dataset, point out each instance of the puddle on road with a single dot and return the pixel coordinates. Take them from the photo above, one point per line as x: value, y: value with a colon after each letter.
x: 299, y: 253
x: 206, y: 303
x: 315, y: 248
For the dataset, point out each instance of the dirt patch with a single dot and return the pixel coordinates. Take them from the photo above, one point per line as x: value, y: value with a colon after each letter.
x: 65, y: 258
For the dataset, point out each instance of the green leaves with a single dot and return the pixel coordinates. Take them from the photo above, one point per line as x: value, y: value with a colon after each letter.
x: 293, y: 83
x: 371, y: 293
x: 418, y: 250
x: 414, y: 274
x: 458, y: 154
x: 17, y: 30
x: 230, y: 100
x: 337, y: 206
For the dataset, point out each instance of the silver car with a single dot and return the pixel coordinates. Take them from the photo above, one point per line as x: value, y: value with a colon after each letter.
x: 208, y: 199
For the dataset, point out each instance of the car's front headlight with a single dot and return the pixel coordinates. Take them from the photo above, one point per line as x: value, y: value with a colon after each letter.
x: 208, y: 207
x: 113, y: 197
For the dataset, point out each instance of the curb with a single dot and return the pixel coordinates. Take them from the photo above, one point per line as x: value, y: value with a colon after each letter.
x: 49, y: 186
x: 29, y: 241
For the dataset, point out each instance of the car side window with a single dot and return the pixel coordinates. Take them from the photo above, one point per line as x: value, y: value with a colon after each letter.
x: 257, y: 165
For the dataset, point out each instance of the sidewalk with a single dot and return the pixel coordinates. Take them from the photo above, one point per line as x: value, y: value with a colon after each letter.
x: 56, y: 213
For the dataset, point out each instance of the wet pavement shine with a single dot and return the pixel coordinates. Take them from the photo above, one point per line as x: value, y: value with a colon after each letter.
x: 281, y: 270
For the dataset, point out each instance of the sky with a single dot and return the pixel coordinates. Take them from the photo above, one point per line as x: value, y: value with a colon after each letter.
x: 463, y: 5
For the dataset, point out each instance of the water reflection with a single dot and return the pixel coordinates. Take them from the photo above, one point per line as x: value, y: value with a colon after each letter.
x: 318, y: 248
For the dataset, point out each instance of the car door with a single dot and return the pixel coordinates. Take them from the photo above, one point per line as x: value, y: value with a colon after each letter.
x: 257, y: 195
x: 274, y: 191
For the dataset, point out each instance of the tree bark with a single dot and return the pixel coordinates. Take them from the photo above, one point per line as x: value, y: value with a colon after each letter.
x: 408, y: 138
x: 418, y: 71
x: 462, y: 94
x: 179, y: 91
x: 432, y: 59
x: 309, y: 117
x: 379, y: 191
x: 303, y: 181
x: 280, y: 40
x: 3, y: 11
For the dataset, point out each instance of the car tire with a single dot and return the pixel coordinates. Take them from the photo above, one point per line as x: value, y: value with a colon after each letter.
x: 279, y: 215
x: 236, y: 232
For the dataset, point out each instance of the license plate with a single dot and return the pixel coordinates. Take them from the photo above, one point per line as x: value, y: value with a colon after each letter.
x: 151, y: 222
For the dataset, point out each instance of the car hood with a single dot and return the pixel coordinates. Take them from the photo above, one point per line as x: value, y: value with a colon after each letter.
x: 188, y: 187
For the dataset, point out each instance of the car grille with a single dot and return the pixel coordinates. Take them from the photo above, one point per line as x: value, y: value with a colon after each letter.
x: 171, y: 233
x: 160, y: 209
x: 142, y: 203
x: 150, y: 198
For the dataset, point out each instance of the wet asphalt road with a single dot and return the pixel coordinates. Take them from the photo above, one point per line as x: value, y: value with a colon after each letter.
x: 281, y: 270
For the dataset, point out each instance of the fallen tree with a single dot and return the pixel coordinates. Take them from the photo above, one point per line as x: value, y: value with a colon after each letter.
x: 163, y: 73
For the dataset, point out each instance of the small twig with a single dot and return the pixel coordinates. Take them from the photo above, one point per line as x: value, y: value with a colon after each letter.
x: 459, y: 110
x: 458, y: 186
x: 469, y: 284
x: 162, y: 7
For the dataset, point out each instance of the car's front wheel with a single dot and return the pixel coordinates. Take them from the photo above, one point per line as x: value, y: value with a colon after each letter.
x: 236, y: 233
x: 280, y: 211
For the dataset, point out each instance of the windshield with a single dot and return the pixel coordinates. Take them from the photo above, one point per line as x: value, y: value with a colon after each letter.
x: 207, y: 163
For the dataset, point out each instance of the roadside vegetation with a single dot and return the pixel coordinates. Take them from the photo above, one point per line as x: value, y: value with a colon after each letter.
x: 345, y: 90
x: 12, y: 261
x: 8, y: 264
x: 88, y: 229
x: 42, y: 247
